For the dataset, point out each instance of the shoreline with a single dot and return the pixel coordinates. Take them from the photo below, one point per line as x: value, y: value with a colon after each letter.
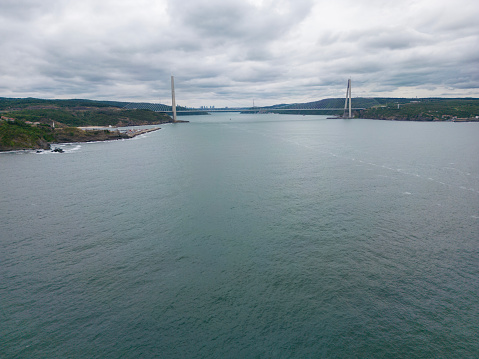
x: 459, y: 120
x: 100, y: 134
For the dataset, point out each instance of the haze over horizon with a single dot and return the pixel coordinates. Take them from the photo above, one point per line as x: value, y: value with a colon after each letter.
x: 227, y: 53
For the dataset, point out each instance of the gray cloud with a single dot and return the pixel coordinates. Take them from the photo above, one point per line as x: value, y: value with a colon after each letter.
x: 225, y: 52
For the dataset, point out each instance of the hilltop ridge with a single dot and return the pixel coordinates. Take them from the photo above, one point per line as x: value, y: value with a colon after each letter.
x: 384, y: 108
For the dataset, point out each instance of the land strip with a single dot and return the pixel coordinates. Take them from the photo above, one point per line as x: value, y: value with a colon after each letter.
x: 38, y: 125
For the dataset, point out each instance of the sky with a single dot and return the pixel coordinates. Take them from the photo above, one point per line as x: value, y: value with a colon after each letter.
x: 233, y: 52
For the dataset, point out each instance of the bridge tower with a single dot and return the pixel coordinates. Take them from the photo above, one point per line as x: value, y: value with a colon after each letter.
x: 348, y: 96
x: 173, y: 100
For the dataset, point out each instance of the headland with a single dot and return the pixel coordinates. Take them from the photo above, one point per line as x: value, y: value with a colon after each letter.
x: 37, y: 124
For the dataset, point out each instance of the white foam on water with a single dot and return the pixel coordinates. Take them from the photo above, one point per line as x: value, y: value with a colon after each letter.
x: 75, y: 148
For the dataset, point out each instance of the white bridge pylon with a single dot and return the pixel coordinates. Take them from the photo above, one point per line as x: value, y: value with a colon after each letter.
x: 348, y: 96
x: 173, y: 99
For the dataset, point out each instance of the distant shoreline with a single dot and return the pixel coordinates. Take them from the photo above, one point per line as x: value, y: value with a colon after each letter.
x: 422, y: 120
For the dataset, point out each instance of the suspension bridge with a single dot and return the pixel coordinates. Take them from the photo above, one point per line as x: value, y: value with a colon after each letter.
x: 326, y: 105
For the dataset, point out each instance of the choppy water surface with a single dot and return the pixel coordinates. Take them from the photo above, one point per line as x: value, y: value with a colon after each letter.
x: 245, y: 236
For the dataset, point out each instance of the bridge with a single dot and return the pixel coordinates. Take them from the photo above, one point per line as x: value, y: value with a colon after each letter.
x: 183, y: 110
x: 273, y: 109
x: 327, y: 105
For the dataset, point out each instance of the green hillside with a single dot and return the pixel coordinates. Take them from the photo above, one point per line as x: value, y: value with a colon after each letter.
x: 88, y: 116
x: 432, y: 109
x: 35, y: 123
x: 22, y: 103
x: 18, y: 135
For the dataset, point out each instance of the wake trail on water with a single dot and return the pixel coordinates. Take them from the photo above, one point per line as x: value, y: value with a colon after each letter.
x: 366, y: 162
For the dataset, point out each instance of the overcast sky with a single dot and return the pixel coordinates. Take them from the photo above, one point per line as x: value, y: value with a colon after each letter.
x: 231, y: 52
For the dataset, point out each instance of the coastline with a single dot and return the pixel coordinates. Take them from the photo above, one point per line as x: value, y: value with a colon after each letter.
x: 436, y: 120
x: 80, y: 135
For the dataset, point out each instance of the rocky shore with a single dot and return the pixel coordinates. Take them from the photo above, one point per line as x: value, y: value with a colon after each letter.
x: 35, y: 139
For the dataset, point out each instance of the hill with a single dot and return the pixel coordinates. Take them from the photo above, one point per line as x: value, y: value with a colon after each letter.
x: 426, y: 109
x: 333, y: 103
x: 18, y: 135
x: 36, y: 123
x: 401, y: 109
x: 15, y: 104
x: 77, y: 113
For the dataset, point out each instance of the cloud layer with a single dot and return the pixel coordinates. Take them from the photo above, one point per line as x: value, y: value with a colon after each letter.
x: 227, y: 53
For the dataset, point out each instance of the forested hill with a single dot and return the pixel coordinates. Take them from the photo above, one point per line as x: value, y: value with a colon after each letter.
x: 76, y: 117
x: 36, y: 123
x: 427, y: 109
x: 19, y: 135
x: 22, y: 103
x: 404, y: 109
x: 74, y: 113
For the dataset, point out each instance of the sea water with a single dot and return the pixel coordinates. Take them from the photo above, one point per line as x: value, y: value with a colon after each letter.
x: 245, y: 236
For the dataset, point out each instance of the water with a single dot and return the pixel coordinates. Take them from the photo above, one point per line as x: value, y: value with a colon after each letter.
x: 245, y: 236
